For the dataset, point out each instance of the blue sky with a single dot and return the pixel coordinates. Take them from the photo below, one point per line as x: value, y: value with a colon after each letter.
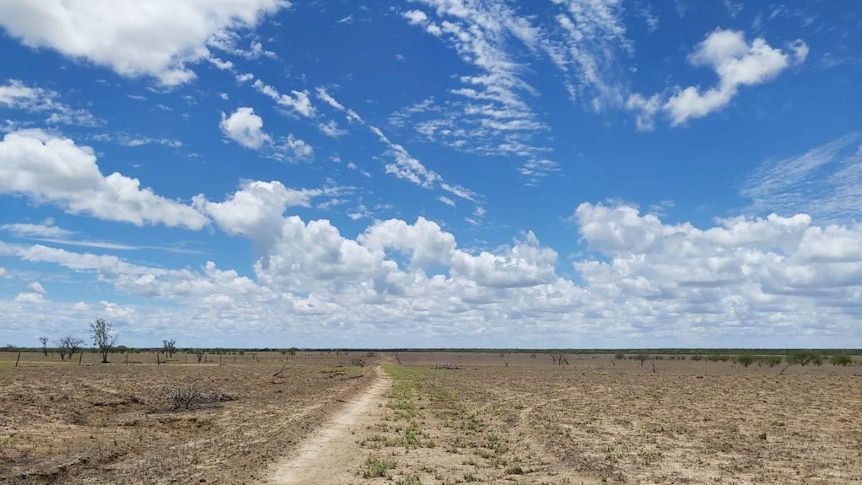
x: 561, y: 173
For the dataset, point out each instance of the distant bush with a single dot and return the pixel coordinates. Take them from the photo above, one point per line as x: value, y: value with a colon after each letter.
x: 713, y: 357
x: 772, y: 360
x: 696, y: 357
x: 724, y: 358
x: 745, y: 359
x: 619, y: 356
x: 840, y: 359
x: 659, y: 357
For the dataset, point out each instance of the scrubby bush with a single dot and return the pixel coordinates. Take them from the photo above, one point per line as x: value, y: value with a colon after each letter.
x: 745, y: 359
x: 696, y: 357
x: 619, y: 356
x: 840, y: 359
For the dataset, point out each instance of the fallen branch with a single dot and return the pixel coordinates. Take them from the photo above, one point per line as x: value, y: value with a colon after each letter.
x: 281, y: 371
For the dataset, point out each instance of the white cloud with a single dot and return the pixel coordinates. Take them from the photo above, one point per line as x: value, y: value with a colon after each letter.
x: 50, y: 169
x: 535, y: 170
x: 491, y: 112
x: 35, y: 230
x: 779, y: 281
x: 736, y: 62
x: 35, y: 287
x: 405, y: 165
x: 29, y: 298
x: 33, y: 293
x: 330, y: 128
x: 81, y: 307
x: 245, y: 128
x: 292, y: 149
x: 299, y: 102
x: 446, y: 200
x: 17, y: 95
x: 256, y: 209
x: 328, y: 99
x: 157, y: 38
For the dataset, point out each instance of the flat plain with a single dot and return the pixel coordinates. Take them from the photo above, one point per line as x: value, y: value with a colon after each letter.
x: 442, y: 418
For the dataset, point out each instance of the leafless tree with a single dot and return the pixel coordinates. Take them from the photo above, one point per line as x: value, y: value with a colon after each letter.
x: 44, y: 341
x: 68, y: 345
x: 103, y: 337
x: 170, y: 347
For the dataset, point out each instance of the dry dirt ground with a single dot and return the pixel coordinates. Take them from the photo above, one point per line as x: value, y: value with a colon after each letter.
x: 113, y: 424
x: 517, y: 418
x: 433, y: 418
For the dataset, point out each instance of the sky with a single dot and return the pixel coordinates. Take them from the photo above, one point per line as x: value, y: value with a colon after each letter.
x: 432, y: 173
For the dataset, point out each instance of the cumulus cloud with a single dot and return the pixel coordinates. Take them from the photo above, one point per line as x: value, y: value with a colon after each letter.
x: 33, y: 293
x: 51, y: 169
x: 256, y: 209
x: 737, y: 63
x: 158, y: 38
x: 770, y: 281
x: 245, y: 128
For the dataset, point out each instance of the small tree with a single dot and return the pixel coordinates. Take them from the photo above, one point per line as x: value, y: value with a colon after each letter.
x: 170, y: 347
x: 68, y: 345
x: 44, y: 342
x: 103, y: 338
x: 804, y: 357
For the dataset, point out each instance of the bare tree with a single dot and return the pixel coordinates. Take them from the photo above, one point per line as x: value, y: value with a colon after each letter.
x: 560, y: 359
x: 68, y: 345
x: 170, y: 347
x: 44, y: 342
x: 103, y: 338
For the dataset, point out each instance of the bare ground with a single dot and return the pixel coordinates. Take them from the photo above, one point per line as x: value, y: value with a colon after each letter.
x: 332, y: 454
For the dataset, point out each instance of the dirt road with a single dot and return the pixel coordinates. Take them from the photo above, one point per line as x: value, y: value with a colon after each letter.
x: 332, y: 454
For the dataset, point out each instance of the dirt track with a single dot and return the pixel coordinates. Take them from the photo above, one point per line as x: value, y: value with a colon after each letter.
x: 332, y: 454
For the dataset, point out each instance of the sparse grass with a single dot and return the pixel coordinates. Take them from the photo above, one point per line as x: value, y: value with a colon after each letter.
x: 378, y: 467
x: 409, y: 479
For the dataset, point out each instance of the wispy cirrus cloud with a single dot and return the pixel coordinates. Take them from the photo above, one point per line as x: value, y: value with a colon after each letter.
x: 17, y: 95
x: 491, y: 111
x: 824, y: 182
x: 403, y: 165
